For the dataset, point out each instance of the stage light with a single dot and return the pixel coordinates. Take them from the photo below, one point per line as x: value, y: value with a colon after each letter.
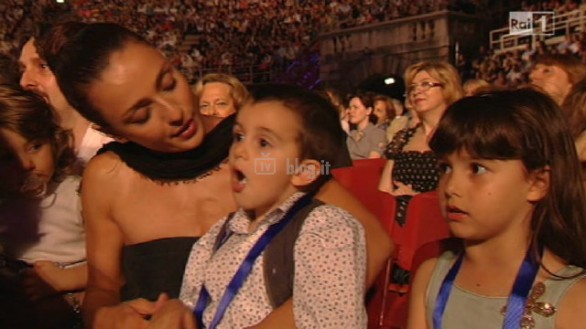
x: 391, y: 85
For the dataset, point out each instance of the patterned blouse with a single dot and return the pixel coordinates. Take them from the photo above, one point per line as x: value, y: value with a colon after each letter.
x: 418, y: 169
x: 330, y: 267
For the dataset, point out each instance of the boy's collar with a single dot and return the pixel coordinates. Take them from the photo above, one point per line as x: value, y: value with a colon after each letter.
x: 240, y: 222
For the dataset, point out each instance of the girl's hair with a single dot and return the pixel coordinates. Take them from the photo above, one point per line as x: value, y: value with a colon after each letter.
x: 321, y: 137
x: 573, y: 67
x: 528, y: 126
x: 444, y: 73
x: 389, y: 106
x: 29, y: 116
x: 78, y: 53
x: 574, y: 108
x: 238, y: 91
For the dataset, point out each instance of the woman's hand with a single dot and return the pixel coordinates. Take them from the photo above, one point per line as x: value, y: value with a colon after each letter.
x: 133, y: 314
x: 41, y: 283
x: 172, y: 314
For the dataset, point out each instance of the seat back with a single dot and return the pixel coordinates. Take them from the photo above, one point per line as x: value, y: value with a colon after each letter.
x: 362, y: 181
x: 417, y: 240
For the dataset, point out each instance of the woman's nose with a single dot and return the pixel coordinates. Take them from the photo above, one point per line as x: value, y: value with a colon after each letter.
x: 27, y: 81
x: 173, y: 113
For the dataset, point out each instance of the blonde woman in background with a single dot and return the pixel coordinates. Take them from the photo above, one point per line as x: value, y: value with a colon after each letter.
x: 412, y: 166
x: 218, y: 95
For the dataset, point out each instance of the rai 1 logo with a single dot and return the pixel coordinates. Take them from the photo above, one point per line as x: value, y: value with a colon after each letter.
x: 531, y: 23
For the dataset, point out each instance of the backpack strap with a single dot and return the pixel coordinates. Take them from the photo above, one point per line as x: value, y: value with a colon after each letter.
x: 279, y: 262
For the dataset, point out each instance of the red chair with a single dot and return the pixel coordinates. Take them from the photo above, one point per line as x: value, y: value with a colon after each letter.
x: 362, y: 181
x: 425, y: 223
x: 388, y: 307
x: 424, y: 226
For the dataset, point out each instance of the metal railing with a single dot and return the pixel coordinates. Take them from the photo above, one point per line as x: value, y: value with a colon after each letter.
x: 501, y: 40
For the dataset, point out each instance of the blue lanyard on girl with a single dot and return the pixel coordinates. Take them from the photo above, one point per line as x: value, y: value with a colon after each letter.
x: 246, y: 266
x: 517, y: 299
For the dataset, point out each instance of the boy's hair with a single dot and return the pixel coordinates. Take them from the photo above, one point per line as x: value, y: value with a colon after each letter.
x: 238, y: 91
x: 321, y: 137
x: 78, y: 53
x: 29, y: 116
x: 528, y: 126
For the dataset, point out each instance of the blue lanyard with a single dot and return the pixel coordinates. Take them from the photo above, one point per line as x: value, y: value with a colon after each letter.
x: 517, y: 299
x: 246, y: 266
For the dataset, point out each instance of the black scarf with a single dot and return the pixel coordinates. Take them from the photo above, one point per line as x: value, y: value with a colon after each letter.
x: 170, y: 167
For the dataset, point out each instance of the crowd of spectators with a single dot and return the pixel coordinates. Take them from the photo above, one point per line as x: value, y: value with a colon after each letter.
x: 242, y: 37
x: 511, y: 68
x: 254, y: 38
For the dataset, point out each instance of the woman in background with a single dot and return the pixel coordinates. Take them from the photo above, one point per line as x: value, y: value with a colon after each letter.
x: 556, y: 74
x: 384, y: 111
x: 412, y: 167
x: 365, y: 140
x: 218, y: 95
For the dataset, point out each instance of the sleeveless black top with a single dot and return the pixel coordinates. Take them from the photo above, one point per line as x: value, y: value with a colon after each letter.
x: 156, y: 266
x: 418, y: 169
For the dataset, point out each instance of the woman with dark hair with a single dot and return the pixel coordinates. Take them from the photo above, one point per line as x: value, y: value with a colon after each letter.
x: 147, y: 200
x: 365, y: 140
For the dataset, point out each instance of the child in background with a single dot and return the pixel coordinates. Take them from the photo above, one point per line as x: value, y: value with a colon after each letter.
x: 40, y: 218
x: 511, y: 191
x: 285, y: 140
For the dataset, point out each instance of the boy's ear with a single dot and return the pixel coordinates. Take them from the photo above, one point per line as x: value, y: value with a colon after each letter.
x: 540, y: 180
x: 108, y: 132
x: 306, y: 173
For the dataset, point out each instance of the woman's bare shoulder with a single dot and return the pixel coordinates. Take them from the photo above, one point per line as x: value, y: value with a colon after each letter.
x: 104, y: 167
